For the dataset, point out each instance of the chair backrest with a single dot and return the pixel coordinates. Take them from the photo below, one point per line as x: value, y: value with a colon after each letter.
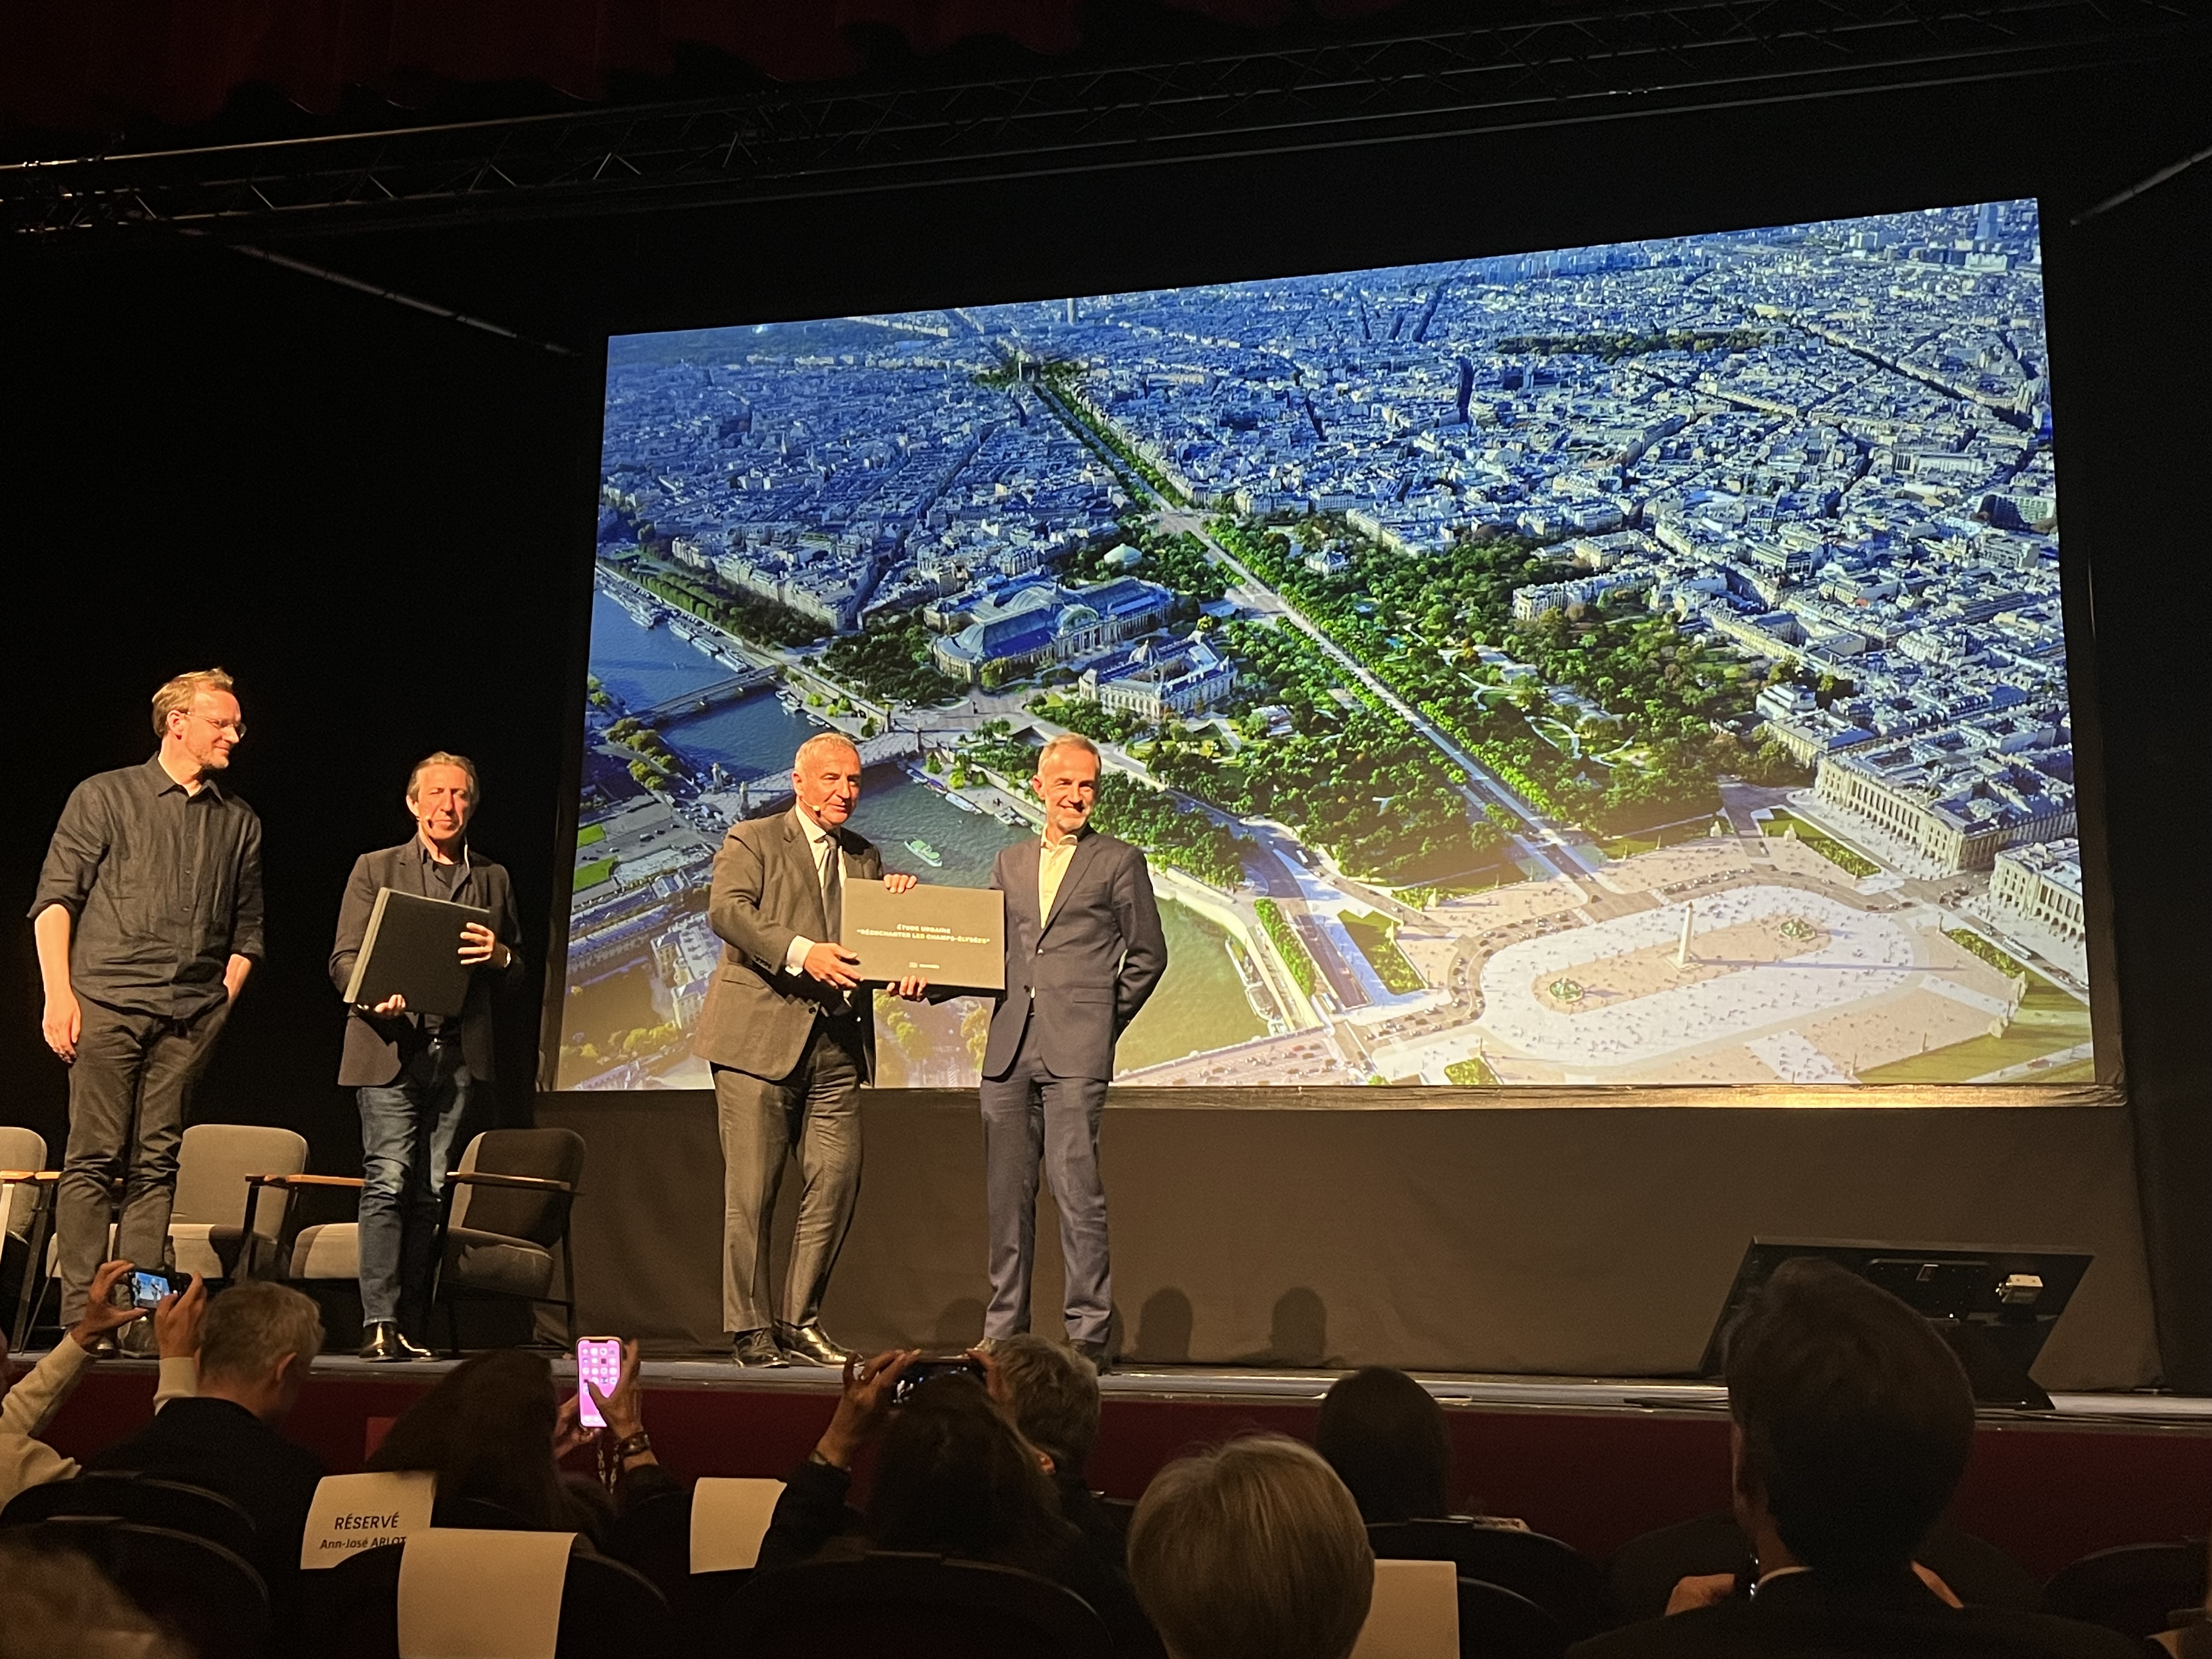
x: 213, y: 1164
x: 1495, y: 1623
x: 20, y: 1149
x: 920, y: 1607
x: 1555, y: 1576
x: 209, y: 1595
x: 606, y: 1608
x: 546, y: 1154
x: 2130, y: 1589
x: 142, y: 1499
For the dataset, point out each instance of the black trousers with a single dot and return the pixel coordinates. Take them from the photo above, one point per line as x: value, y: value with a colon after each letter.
x: 129, y: 1086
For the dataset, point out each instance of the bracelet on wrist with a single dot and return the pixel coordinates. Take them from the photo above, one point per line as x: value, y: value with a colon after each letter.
x: 630, y: 1445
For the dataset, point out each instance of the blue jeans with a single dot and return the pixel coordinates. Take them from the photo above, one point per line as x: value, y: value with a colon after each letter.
x: 409, y: 1128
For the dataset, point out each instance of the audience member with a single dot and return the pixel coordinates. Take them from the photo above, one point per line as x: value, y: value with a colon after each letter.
x: 492, y: 1431
x: 1386, y: 1437
x: 30, y: 1405
x: 256, y: 1343
x: 1051, y: 1391
x: 953, y: 1477
x: 1252, y: 1551
x: 55, y: 1602
x: 1852, y: 1423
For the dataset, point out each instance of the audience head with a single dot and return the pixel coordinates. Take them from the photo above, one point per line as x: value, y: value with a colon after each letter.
x: 1053, y: 1392
x: 486, y: 1430
x: 256, y: 1344
x: 1252, y: 1551
x: 956, y: 1478
x: 1386, y: 1437
x: 53, y: 1601
x: 1853, y: 1421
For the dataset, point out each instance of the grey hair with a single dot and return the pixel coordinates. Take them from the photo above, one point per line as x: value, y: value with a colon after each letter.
x: 818, y: 743
x: 1069, y: 740
x: 1053, y: 1392
x: 254, y: 1324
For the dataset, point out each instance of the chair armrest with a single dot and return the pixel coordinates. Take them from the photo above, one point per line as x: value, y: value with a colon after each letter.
x: 304, y: 1180
x: 534, y: 1183
x: 28, y: 1177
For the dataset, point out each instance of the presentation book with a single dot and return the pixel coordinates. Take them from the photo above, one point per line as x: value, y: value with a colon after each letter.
x: 950, y: 936
x: 413, y: 947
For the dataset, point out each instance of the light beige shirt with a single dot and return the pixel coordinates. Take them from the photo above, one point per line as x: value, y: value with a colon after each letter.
x: 1052, y: 870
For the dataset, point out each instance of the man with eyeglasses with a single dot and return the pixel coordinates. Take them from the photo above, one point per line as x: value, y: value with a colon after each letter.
x: 147, y: 920
x: 416, y: 1076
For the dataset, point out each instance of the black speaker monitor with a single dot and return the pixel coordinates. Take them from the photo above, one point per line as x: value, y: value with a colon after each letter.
x: 1995, y: 1308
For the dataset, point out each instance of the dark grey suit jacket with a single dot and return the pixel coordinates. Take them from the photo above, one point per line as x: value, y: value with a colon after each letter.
x: 758, y: 1017
x: 376, y: 1048
x: 1090, y: 964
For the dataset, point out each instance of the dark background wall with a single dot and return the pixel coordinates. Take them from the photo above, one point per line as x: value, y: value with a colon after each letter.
x: 376, y: 520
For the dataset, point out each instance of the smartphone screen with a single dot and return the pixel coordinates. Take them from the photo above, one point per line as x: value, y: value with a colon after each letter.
x: 599, y: 1361
x: 147, y: 1288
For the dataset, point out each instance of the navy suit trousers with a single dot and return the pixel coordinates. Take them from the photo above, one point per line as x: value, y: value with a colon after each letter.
x: 1031, y: 1118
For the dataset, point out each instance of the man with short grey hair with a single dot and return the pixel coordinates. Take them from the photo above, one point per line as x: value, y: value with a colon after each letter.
x: 1052, y: 1393
x: 256, y: 1344
x: 788, y: 1031
x: 1084, y: 950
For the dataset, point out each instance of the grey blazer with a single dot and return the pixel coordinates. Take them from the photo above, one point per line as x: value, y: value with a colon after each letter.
x: 757, y: 1017
x: 1090, y: 964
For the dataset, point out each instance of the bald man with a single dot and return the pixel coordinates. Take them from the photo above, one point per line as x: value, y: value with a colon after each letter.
x: 789, y: 1033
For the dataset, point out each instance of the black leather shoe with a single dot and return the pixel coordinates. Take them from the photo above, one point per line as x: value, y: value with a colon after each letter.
x: 1097, y: 1353
x: 811, y: 1345
x: 381, y: 1340
x: 757, y: 1350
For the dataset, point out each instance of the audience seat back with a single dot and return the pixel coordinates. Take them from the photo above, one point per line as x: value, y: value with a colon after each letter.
x: 608, y: 1610
x: 2131, y: 1590
x: 1497, y: 1623
x: 1558, y: 1578
x: 210, y: 1596
x: 917, y: 1606
x: 142, y: 1499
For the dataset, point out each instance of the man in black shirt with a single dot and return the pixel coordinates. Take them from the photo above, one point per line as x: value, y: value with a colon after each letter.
x: 255, y: 1348
x: 416, y: 1076
x: 147, y: 920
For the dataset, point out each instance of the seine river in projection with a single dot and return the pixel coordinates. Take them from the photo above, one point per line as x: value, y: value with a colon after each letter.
x: 1201, y: 1004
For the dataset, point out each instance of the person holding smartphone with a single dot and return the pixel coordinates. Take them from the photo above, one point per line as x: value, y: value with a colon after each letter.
x: 417, y: 1078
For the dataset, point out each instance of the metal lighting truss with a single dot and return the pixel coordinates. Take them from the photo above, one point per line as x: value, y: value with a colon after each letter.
x: 1559, y: 66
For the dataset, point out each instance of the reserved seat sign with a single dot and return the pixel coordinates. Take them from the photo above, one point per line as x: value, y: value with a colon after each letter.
x: 357, y: 1512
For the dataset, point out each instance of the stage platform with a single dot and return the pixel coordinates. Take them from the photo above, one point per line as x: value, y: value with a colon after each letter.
x: 1593, y: 1461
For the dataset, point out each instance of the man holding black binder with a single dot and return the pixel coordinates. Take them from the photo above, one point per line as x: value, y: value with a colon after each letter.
x: 414, y: 1075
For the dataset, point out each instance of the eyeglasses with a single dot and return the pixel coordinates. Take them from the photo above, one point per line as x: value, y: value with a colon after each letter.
x: 236, y: 728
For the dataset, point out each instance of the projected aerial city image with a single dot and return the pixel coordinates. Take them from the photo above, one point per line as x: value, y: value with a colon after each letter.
x: 1628, y: 665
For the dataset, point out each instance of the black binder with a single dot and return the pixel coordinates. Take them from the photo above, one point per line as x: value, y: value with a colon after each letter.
x: 413, y: 947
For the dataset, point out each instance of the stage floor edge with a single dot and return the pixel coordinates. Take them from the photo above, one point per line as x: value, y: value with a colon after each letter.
x: 1227, y: 1384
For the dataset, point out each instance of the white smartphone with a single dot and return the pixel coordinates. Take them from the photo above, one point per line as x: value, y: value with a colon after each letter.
x: 598, y: 1362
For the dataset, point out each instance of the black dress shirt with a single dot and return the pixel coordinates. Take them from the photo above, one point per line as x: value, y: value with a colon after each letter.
x: 162, y: 887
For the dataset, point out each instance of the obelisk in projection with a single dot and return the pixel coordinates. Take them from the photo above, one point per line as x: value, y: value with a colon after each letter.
x: 1682, y: 950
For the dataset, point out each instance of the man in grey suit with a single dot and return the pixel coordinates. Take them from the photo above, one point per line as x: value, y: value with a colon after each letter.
x: 1084, y: 949
x: 790, y: 1035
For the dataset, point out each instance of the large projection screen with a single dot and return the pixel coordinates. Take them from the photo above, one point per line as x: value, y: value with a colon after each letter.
x: 1641, y: 665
